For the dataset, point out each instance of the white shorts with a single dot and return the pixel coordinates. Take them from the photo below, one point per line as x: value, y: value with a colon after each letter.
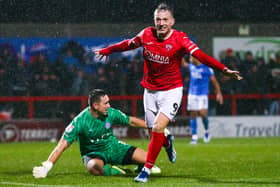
x: 167, y: 102
x: 197, y: 102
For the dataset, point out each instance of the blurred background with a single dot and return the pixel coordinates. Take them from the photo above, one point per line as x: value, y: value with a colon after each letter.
x: 47, y: 67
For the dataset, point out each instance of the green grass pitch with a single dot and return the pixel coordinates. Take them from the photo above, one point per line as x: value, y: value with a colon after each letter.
x: 222, y: 162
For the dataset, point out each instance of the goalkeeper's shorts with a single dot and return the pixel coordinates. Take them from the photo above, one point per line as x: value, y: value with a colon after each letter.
x: 119, y: 153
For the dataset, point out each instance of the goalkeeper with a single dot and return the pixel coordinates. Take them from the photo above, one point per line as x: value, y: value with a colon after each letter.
x: 99, y: 148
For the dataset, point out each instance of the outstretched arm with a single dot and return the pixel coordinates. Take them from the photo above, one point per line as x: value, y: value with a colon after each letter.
x: 194, y: 50
x: 137, y: 122
x: 212, y: 62
x: 58, y: 150
x: 232, y: 74
x: 42, y: 171
x: 124, y: 45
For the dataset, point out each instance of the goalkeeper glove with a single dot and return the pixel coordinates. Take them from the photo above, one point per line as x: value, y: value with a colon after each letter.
x: 42, y: 171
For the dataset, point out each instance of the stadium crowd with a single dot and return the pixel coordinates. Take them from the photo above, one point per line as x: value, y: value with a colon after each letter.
x: 75, y: 73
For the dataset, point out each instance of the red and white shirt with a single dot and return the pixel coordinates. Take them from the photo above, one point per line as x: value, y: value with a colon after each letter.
x: 162, y: 58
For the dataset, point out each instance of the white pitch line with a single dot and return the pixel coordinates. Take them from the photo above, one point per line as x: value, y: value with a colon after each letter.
x: 30, y: 184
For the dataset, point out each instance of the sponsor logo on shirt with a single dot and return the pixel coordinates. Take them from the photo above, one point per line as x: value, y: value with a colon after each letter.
x: 197, y: 73
x: 69, y: 128
x: 168, y: 47
x: 156, y: 57
x: 107, y: 125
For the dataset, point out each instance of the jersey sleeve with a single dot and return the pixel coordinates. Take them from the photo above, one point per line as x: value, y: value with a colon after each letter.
x: 211, y: 71
x: 191, y: 48
x: 187, y: 44
x: 208, y: 60
x: 119, y: 118
x: 124, y: 45
x: 71, y: 132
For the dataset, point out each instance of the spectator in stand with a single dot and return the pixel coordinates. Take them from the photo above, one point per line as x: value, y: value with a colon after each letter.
x: 55, y: 84
x: 228, y: 86
x: 8, y: 59
x: 69, y: 60
x: 80, y: 84
x: 263, y: 81
x: 5, y: 88
x: 274, y: 74
x: 254, y: 85
x: 102, y: 80
x: 274, y: 71
x: 8, y: 63
x: 249, y: 60
x: 55, y: 88
x: 230, y: 60
x: 39, y: 87
x: 274, y: 108
x: 63, y: 76
x: 135, y: 69
x: 21, y: 79
x: 44, y: 82
x: 6, y: 82
x: 38, y: 64
x: 40, y: 77
x: 114, y: 80
x: 71, y: 73
x: 263, y: 75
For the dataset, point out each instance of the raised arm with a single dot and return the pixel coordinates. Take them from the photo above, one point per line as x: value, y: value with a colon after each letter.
x: 212, y: 62
x: 42, y: 171
x: 124, y: 45
x: 194, y: 50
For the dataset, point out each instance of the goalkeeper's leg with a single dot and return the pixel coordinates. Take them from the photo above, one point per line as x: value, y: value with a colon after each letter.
x: 97, y: 167
x: 138, y: 157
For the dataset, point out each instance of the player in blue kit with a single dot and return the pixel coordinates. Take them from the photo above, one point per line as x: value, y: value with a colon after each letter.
x: 200, y: 76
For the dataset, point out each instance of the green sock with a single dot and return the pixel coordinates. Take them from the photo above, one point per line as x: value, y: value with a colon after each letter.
x: 108, y: 170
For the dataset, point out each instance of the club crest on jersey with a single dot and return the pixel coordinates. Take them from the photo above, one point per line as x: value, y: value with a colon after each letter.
x: 69, y: 128
x: 168, y: 47
x: 107, y: 125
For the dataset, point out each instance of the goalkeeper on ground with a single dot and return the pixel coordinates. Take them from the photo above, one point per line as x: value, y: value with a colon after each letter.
x: 100, y: 149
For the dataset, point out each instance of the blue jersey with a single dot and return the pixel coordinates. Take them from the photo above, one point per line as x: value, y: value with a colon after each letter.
x: 199, y: 79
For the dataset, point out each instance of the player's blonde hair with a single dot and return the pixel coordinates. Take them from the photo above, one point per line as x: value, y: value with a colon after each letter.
x: 163, y: 7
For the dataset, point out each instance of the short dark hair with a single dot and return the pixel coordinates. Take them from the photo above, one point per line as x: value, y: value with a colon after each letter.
x: 165, y: 7
x: 95, y: 95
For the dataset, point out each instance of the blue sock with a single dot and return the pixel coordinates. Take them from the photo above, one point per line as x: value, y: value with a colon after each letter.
x: 193, y: 126
x: 205, y: 122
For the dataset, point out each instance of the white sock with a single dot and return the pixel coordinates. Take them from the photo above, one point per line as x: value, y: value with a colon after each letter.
x: 147, y: 170
x: 194, y: 137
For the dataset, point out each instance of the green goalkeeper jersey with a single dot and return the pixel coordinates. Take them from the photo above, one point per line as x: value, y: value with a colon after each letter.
x: 94, y: 134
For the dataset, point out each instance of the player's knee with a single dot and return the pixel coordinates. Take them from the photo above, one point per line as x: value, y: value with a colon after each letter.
x: 193, y: 114
x: 94, y: 169
x: 158, y: 128
x: 95, y: 172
